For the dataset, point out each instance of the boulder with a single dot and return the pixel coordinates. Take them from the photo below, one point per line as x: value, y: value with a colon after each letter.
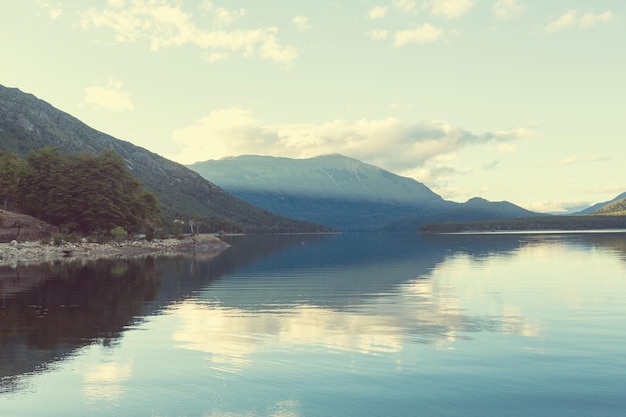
x: 20, y: 227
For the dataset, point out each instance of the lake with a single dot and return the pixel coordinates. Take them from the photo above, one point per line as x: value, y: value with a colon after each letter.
x: 324, y: 325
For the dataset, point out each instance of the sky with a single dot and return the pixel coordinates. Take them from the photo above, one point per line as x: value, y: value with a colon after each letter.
x: 516, y: 100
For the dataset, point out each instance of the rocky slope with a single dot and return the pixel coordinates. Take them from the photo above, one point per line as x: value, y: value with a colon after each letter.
x: 28, y: 123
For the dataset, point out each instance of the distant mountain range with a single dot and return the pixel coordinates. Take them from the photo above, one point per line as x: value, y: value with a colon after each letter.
x: 255, y: 193
x: 344, y: 193
x: 28, y: 123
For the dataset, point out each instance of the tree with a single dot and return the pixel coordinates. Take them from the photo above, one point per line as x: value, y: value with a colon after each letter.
x: 12, y: 171
x: 87, y: 193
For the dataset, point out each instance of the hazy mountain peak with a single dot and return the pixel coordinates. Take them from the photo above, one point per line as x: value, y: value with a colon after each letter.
x: 328, y: 176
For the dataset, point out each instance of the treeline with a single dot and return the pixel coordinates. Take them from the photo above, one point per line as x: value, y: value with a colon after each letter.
x: 584, y: 222
x: 81, y: 193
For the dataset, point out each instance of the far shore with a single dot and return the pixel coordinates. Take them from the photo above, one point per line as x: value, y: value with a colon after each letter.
x: 569, y: 223
x: 16, y: 253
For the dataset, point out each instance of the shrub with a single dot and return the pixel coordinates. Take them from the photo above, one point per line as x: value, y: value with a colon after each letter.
x: 119, y: 234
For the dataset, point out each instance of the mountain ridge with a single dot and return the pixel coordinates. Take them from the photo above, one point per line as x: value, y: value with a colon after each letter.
x: 597, y: 206
x: 342, y: 192
x: 617, y: 207
x: 28, y: 123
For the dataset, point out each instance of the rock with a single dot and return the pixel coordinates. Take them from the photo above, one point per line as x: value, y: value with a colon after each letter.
x: 15, y: 226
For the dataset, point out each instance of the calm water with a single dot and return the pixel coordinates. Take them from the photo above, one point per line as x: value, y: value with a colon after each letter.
x: 342, y: 325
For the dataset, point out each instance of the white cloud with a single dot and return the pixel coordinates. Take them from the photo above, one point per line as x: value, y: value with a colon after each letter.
x: 421, y: 35
x: 572, y: 19
x: 110, y: 97
x: 378, y: 12
x: 507, y: 9
x: 406, y: 6
x: 450, y: 9
x: 516, y: 133
x: 576, y: 159
x: 222, y: 16
x: 564, y: 21
x: 589, y: 20
x: 550, y: 206
x: 164, y: 25
x: 54, y: 11
x: 302, y: 23
x: 388, y: 143
x: 378, y: 35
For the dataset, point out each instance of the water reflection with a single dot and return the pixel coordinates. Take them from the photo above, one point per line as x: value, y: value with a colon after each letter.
x: 49, y: 310
x: 103, y: 381
x: 368, y: 294
x: 370, y: 303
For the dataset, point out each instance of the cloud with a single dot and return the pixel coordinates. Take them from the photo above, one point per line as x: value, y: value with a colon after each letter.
x: 302, y: 23
x: 450, y: 9
x: 589, y: 20
x: 222, y: 16
x: 164, y: 25
x: 378, y: 12
x: 110, y: 97
x: 420, y: 35
x: 551, y: 206
x: 388, y: 143
x: 572, y: 19
x: 507, y: 9
x: 576, y: 159
x: 54, y: 11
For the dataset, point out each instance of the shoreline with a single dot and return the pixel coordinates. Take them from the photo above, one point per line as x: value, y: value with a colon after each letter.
x: 21, y: 253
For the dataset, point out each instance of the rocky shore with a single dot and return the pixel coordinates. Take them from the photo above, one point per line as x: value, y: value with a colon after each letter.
x: 14, y: 252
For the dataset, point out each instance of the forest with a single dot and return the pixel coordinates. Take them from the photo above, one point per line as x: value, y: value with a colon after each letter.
x: 81, y: 193
x: 566, y: 222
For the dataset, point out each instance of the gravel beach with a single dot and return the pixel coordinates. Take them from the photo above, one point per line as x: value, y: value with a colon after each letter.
x: 34, y: 252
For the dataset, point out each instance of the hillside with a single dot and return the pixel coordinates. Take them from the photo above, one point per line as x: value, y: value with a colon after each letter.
x: 616, y: 208
x: 343, y: 192
x: 334, y: 190
x: 474, y: 210
x: 598, y: 206
x: 28, y: 123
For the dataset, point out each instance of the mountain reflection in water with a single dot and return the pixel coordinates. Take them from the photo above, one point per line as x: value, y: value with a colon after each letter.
x: 272, y: 297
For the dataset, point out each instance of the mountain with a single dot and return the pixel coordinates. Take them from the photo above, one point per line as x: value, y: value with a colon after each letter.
x: 597, y: 206
x: 473, y: 210
x: 28, y: 123
x: 343, y: 193
x: 615, y: 208
x: 334, y: 190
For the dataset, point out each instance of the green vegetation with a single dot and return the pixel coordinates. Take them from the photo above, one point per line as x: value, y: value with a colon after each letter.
x: 616, y: 208
x: 12, y: 169
x: 585, y: 222
x: 82, y: 193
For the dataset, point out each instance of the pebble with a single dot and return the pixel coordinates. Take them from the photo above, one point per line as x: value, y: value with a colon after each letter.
x: 28, y: 252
